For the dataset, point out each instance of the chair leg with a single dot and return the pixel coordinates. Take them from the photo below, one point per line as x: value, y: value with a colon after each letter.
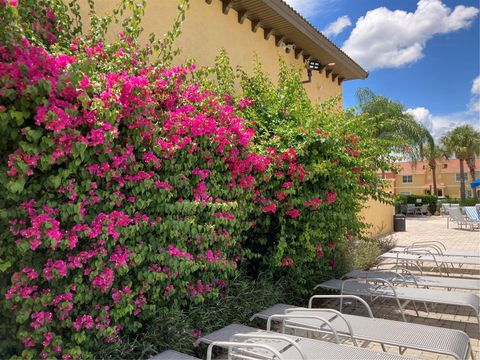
x: 426, y: 307
x: 415, y: 307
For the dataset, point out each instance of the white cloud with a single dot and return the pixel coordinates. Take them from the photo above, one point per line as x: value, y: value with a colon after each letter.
x: 387, y: 39
x: 312, y: 8
x: 336, y: 27
x: 476, y: 86
x: 438, y: 125
x: 474, y: 105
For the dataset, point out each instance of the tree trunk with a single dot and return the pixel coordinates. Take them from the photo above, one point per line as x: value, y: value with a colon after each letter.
x: 433, y: 167
x: 471, y: 166
x: 462, y: 180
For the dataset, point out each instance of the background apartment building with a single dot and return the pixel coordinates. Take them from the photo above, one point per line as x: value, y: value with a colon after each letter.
x: 416, y: 179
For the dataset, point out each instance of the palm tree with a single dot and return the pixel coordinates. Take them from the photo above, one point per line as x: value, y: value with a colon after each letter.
x: 431, y: 152
x: 392, y: 122
x: 464, y: 142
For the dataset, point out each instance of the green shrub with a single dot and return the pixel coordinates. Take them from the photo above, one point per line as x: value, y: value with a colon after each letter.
x: 133, y: 195
x: 466, y: 202
x: 431, y: 200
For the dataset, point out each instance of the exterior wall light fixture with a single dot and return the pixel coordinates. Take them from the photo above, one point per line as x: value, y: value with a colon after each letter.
x: 312, y: 65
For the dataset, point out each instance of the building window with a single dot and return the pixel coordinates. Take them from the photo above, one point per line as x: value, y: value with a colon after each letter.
x: 407, y: 179
x: 404, y: 192
x: 468, y: 193
x: 458, y: 177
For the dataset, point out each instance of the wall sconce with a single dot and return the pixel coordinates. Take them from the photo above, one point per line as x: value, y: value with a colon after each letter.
x: 312, y: 65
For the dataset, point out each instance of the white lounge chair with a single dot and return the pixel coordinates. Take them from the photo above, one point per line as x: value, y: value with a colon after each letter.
x: 381, y: 288
x: 419, y: 258
x: 461, y: 220
x: 472, y: 213
x: 435, y: 247
x: 173, y: 355
x: 437, y: 340
x: 410, y: 209
x: 421, y: 210
x: 414, y: 280
x: 288, y: 346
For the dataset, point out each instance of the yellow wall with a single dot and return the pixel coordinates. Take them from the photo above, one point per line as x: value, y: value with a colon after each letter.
x: 415, y: 188
x: 446, y: 181
x: 380, y: 216
x: 206, y: 30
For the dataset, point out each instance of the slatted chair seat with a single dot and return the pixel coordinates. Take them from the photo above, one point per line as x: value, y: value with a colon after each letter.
x: 368, y: 287
x: 414, y: 280
x: 310, y: 349
x: 437, y: 340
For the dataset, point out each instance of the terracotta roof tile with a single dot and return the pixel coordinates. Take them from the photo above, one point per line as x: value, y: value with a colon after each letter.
x: 453, y: 166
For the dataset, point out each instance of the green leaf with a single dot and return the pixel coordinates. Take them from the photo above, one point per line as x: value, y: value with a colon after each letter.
x: 34, y: 135
x: 17, y: 185
x: 4, y: 265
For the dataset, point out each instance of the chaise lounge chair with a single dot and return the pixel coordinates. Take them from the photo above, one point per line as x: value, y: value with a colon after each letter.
x: 461, y: 220
x: 435, y: 247
x: 288, y: 346
x: 437, y: 340
x: 419, y: 258
x: 423, y: 281
x: 381, y: 288
x: 471, y: 213
x: 173, y: 355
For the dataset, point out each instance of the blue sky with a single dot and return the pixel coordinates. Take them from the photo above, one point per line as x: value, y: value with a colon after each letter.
x: 422, y: 53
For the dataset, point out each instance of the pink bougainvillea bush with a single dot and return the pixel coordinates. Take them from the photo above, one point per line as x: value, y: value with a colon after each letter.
x: 128, y: 187
x: 125, y: 190
x: 132, y: 190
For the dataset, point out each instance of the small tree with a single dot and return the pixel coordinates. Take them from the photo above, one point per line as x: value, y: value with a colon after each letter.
x: 431, y: 152
x: 464, y: 142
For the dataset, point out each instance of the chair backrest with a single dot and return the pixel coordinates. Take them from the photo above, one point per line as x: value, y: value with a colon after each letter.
x: 456, y: 214
x: 424, y: 208
x: 410, y: 206
x: 471, y: 213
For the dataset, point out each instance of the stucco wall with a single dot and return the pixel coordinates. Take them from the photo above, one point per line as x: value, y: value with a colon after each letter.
x: 380, y: 216
x: 206, y: 30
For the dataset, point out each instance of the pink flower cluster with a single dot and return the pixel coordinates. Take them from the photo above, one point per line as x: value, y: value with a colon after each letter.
x: 104, y: 280
x: 287, y: 261
x: 293, y: 213
x: 40, y: 318
x: 175, y: 252
x: 83, y: 322
x: 272, y: 208
x: 225, y: 215
x: 52, y: 269
x: 313, y: 204
x: 330, y: 198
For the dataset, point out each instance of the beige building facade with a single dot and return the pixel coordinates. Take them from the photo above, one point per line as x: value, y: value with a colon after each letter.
x: 417, y: 179
x: 267, y: 29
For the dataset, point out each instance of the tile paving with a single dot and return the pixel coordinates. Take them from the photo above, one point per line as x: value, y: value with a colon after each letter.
x: 425, y: 229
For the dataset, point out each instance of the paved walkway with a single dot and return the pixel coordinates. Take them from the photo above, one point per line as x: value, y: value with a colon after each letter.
x: 435, y: 228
